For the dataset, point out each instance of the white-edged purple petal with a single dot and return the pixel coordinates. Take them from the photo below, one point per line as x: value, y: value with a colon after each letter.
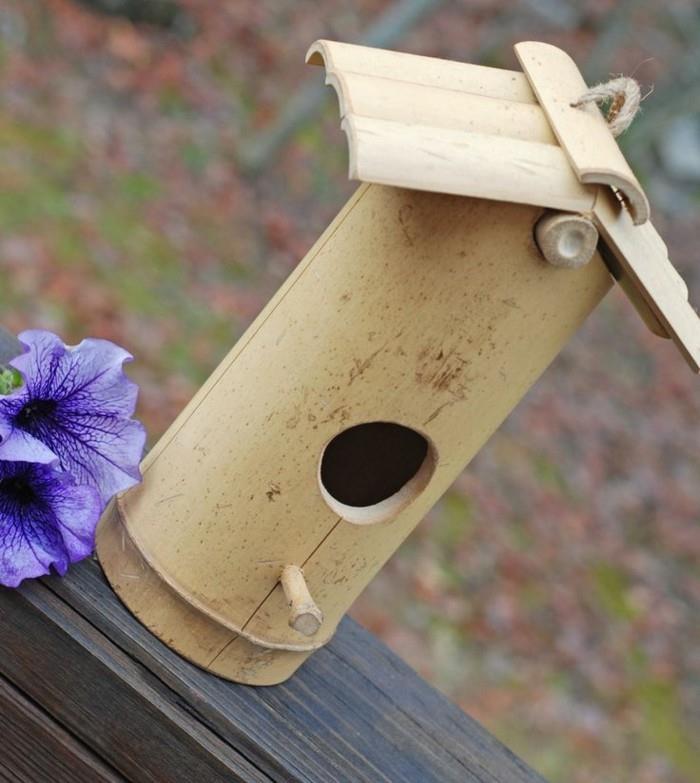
x: 90, y: 373
x: 102, y: 451
x: 18, y: 445
x: 76, y: 402
x: 5, y: 430
x: 77, y: 510
x: 46, y: 520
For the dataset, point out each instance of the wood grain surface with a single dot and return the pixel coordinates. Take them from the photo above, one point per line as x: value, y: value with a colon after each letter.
x: 36, y: 748
x: 131, y: 707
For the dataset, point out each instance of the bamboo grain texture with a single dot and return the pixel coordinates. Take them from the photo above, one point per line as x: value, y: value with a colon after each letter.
x: 643, y: 256
x: 447, y: 127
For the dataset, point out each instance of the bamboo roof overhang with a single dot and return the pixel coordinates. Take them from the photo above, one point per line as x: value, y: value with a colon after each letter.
x: 449, y: 127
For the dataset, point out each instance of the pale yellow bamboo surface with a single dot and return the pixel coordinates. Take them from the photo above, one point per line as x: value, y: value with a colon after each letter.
x: 430, y: 124
x: 404, y: 102
x: 582, y: 132
x: 475, y: 164
x: 642, y: 254
x: 433, y: 311
x: 448, y: 127
x: 176, y: 622
x: 425, y: 71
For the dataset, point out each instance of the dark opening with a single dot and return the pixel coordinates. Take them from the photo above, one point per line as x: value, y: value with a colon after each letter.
x: 369, y: 463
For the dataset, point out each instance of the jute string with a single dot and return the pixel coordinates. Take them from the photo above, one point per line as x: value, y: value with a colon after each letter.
x: 622, y: 97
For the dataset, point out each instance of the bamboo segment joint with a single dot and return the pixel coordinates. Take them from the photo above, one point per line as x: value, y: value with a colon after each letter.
x: 304, y: 615
x: 566, y: 240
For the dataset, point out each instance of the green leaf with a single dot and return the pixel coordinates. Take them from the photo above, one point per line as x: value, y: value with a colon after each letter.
x: 10, y: 380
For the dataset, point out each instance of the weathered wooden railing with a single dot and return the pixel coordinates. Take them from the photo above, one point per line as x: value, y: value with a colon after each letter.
x: 87, y: 694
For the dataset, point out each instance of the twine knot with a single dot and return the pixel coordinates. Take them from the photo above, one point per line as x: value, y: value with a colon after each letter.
x: 618, y: 99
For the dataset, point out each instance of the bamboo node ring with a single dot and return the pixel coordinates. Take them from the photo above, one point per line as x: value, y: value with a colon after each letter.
x: 566, y: 240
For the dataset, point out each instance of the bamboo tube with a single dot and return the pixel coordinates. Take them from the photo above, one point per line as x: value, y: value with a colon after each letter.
x: 425, y: 317
x: 566, y: 240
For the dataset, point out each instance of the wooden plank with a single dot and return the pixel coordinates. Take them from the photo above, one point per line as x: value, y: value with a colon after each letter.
x: 108, y: 701
x: 445, y: 160
x: 416, y: 69
x: 35, y: 748
x: 371, y: 667
x: 582, y: 132
x: 642, y: 255
x: 353, y: 712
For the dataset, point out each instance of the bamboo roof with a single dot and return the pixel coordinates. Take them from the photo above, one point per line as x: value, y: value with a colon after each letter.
x: 470, y: 130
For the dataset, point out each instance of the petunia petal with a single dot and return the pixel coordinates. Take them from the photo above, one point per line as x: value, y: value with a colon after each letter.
x: 98, y: 450
x: 46, y: 520
x: 77, y: 402
x: 18, y: 445
x: 77, y: 510
x: 29, y: 546
x: 89, y: 373
x: 40, y: 362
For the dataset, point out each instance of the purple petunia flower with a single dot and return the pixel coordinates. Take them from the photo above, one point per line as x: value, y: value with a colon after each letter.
x: 46, y: 520
x: 75, y: 405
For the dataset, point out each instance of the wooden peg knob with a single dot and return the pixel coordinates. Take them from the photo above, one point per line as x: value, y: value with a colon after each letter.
x: 566, y: 240
x: 304, y: 615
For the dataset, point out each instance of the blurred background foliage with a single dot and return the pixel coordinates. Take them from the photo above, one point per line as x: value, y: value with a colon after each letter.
x: 163, y: 166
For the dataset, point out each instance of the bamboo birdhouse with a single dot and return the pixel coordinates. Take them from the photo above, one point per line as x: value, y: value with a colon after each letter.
x: 492, y: 219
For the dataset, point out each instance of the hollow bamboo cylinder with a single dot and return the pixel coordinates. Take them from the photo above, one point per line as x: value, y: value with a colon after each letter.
x: 429, y: 311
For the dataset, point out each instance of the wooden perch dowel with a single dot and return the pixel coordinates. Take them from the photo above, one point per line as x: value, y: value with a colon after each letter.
x: 304, y: 615
x: 566, y: 240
